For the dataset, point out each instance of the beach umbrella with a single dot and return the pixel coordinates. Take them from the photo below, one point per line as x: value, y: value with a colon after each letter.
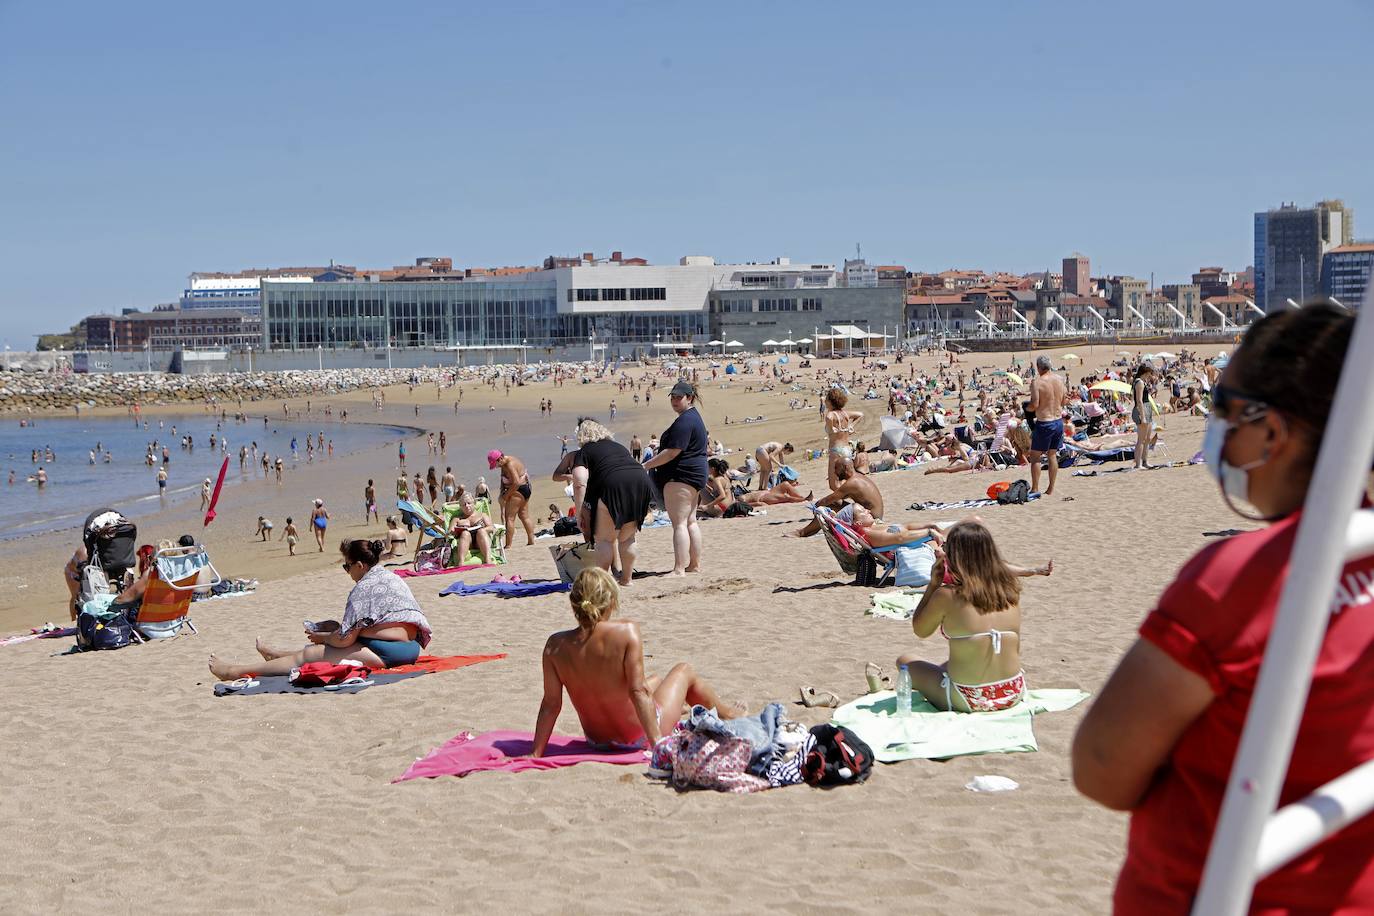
x: 1016, y: 378
x: 1070, y: 356
x: 1123, y: 352
x: 214, y: 497
x: 806, y: 340
x: 716, y: 343
x: 769, y: 343
x: 1113, y: 386
x: 1164, y: 354
x: 734, y: 343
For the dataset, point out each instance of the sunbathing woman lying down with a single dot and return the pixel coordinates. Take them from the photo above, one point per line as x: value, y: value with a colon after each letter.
x: 601, y: 665
x: 973, y: 600
x: 382, y: 626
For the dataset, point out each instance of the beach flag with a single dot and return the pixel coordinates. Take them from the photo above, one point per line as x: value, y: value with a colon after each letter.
x: 214, y: 497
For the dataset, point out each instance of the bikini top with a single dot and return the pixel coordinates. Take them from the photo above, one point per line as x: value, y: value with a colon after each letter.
x: 994, y: 635
x: 837, y: 427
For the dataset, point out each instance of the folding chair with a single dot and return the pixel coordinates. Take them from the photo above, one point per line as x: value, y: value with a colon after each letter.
x: 178, y: 572
x: 498, y: 534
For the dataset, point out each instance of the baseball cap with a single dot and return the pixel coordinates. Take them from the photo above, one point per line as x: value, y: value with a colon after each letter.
x: 684, y: 389
x: 493, y: 456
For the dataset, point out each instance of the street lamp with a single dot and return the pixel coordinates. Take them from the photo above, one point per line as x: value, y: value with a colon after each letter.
x: 319, y: 352
x: 148, y: 353
x: 250, y: 359
x: 591, y: 347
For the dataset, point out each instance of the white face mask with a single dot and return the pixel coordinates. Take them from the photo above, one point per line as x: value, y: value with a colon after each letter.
x: 1234, y: 480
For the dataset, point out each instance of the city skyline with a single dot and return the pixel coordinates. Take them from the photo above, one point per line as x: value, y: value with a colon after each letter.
x: 936, y: 138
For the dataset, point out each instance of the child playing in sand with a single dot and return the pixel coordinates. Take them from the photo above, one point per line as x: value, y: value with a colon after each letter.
x: 291, y: 535
x: 601, y: 665
x: 264, y: 528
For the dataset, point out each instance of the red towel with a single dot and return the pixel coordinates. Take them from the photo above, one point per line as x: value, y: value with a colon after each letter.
x: 508, y: 751
x: 411, y: 573
x: 432, y: 664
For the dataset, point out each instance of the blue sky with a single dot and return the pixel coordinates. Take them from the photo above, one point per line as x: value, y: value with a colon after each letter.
x: 144, y: 141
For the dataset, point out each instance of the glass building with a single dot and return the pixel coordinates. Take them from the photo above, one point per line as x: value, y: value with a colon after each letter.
x: 469, y: 313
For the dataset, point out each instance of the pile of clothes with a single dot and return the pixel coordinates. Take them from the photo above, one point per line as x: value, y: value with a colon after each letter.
x: 750, y: 754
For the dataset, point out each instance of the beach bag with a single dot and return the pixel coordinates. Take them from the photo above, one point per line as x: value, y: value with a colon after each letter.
x: 324, y: 674
x: 571, y: 559
x: 713, y: 762
x: 738, y: 509
x: 998, y: 488
x: 786, y: 473
x: 434, y: 556
x: 102, y: 629
x: 565, y: 527
x: 866, y: 570
x: 1014, y: 495
x: 837, y: 758
x: 93, y: 581
x: 914, y: 565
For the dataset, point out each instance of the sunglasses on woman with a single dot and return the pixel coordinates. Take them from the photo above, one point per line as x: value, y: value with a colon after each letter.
x: 1224, y: 397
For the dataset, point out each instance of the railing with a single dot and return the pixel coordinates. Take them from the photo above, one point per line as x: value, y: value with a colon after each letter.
x: 1251, y: 839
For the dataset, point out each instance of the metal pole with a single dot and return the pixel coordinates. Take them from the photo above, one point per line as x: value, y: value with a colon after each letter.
x: 1285, y: 677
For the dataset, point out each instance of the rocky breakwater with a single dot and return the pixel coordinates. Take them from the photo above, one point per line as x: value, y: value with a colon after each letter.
x: 44, y: 392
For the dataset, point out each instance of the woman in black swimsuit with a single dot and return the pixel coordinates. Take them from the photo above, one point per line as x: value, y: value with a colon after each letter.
x: 515, y: 493
x: 615, y: 494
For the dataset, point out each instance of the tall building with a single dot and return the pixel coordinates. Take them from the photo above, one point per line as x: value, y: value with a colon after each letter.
x: 1289, y: 246
x: 1125, y: 294
x: 1076, y: 281
x: 1346, y: 273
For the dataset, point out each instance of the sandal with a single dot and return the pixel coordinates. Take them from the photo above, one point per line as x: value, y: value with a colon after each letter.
x: 877, y: 679
x: 811, y: 697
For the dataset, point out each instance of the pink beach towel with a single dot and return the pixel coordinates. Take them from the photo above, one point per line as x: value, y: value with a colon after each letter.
x: 409, y: 573
x: 502, y: 750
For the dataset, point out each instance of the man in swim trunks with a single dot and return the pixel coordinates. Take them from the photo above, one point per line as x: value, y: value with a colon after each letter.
x: 515, y: 493
x: 1047, y: 393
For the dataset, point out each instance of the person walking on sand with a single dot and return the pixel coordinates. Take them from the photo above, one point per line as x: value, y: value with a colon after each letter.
x: 205, y: 494
x: 370, y: 502
x: 681, y: 472
x: 319, y: 521
x: 449, y: 483
x: 291, y: 536
x: 515, y: 493
x: 162, y: 481
x: 1047, y: 393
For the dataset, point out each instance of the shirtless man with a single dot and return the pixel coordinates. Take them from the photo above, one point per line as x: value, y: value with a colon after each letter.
x: 1047, y: 395
x: 853, y: 486
x: 601, y: 665
x: 515, y: 494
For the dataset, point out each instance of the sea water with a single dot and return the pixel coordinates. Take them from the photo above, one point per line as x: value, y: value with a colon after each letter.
x: 75, y: 486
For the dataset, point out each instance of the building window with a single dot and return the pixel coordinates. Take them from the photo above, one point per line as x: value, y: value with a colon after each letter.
x: 811, y: 304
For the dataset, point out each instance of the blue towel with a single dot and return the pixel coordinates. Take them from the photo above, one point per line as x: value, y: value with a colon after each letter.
x: 508, y: 589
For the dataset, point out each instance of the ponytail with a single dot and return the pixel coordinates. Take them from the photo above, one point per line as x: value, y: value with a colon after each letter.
x: 594, y: 597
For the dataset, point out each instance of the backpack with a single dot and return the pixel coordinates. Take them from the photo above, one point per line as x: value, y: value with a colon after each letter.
x: 1014, y: 495
x: 837, y: 758
x: 93, y: 581
x: 866, y: 570
x: 564, y: 527
x: 738, y: 509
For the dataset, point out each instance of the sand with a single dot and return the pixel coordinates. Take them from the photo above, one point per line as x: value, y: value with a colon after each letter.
x: 130, y: 785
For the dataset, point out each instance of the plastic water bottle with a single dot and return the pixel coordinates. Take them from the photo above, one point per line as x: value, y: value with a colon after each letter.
x: 903, y: 691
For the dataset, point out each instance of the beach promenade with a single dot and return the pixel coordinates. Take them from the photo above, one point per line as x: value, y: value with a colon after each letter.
x: 131, y: 785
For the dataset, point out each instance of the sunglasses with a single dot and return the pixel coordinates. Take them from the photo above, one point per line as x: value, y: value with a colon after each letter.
x: 345, y: 565
x: 1224, y: 397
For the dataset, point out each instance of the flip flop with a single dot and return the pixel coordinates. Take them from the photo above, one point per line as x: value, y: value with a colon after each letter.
x: 877, y: 679
x: 811, y: 697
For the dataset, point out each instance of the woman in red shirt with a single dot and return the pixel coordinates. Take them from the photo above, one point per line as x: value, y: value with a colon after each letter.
x: 1160, y: 739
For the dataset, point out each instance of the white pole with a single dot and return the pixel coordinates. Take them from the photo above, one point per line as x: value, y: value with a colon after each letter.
x: 1285, y: 677
x: 1298, y: 827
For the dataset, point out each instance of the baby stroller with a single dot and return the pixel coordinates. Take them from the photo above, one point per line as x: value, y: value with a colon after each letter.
x: 111, y: 542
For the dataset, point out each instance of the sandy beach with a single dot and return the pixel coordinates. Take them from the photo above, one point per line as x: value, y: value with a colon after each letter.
x: 131, y: 785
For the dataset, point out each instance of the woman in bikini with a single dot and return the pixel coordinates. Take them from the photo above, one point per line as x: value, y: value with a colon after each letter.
x: 974, y: 602
x: 395, y: 538
x: 515, y: 494
x: 839, y: 429
x: 469, y: 528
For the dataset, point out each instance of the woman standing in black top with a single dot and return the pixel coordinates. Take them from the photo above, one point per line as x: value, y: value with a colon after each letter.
x: 612, y: 493
x: 680, y: 470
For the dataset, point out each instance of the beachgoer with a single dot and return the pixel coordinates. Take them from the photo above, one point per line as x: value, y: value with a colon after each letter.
x: 771, y: 456
x: 601, y: 665
x: 1047, y: 393
x: 612, y: 493
x: 396, y: 538
x: 432, y: 484
x: 370, y: 501
x: 840, y: 425
x: 854, y: 486
x: 162, y: 481
x: 515, y: 493
x: 449, y: 483
x: 681, y: 473
x: 319, y: 521
x: 471, y: 527
x: 264, y: 531
x: 973, y: 600
x: 1143, y: 413
x: 291, y: 536
x: 554, y: 515
x: 382, y: 625
x: 1161, y: 738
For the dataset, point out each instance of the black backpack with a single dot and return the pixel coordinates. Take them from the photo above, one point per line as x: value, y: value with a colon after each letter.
x: 837, y: 758
x: 1014, y: 495
x: 565, y: 526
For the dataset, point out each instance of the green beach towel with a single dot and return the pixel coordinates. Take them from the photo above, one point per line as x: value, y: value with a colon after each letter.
x: 934, y: 735
x: 894, y: 605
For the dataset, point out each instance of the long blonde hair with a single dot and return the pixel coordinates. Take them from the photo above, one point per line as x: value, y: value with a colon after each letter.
x: 984, y: 580
x: 594, y: 597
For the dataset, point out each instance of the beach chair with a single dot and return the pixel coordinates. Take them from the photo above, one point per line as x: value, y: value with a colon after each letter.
x: 178, y: 572
x: 498, y: 534
x: 848, y: 545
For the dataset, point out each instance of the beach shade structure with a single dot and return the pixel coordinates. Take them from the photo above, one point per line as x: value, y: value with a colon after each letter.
x: 733, y: 343
x: 1113, y: 386
x: 1071, y: 356
x: 717, y: 343
x: 787, y: 342
x: 1016, y: 378
x: 806, y: 340
x: 1123, y: 352
x: 1165, y: 354
x: 895, y: 435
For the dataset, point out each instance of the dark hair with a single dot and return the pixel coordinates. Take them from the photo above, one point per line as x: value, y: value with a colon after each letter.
x: 358, y: 550
x: 186, y: 540
x: 1292, y: 360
